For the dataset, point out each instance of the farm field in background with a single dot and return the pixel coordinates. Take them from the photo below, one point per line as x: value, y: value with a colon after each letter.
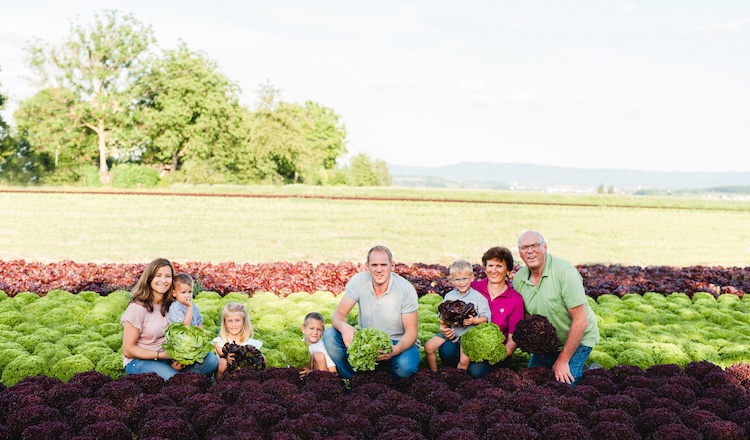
x: 133, y: 228
x: 675, y: 365
x: 445, y: 194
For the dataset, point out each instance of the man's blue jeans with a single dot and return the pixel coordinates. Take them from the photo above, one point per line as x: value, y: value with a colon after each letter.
x: 450, y: 354
x: 403, y: 365
x: 576, y: 361
x: 164, y: 368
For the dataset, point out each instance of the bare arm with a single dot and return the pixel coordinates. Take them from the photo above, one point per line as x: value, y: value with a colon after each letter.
x: 338, y: 320
x: 561, y: 368
x: 188, y: 319
x: 475, y: 320
x: 510, y: 345
x: 447, y: 331
x: 409, y: 337
x: 219, y: 348
x: 130, y: 348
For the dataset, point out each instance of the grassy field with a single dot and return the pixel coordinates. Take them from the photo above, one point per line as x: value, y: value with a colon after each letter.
x: 478, y: 195
x: 582, y: 229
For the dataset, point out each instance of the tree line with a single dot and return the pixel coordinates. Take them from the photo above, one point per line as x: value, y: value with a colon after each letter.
x: 109, y: 109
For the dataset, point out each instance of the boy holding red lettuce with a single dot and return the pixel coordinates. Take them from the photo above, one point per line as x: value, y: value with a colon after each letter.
x: 462, y: 309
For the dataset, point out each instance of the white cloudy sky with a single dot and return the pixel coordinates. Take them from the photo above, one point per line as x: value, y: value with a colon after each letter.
x: 652, y: 85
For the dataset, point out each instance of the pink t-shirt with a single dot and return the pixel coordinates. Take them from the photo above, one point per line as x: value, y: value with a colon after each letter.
x: 151, y: 325
x: 506, y: 308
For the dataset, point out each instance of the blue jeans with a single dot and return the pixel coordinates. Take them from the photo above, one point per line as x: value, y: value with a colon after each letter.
x: 402, y: 365
x: 164, y: 368
x: 450, y: 354
x: 576, y: 362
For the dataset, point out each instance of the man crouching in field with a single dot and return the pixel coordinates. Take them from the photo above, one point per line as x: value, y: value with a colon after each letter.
x: 387, y: 302
x: 553, y: 288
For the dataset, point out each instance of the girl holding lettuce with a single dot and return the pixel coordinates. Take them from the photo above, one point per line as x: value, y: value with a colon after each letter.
x: 144, y: 322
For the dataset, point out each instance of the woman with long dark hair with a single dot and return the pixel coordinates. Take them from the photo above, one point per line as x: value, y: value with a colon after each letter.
x: 144, y: 322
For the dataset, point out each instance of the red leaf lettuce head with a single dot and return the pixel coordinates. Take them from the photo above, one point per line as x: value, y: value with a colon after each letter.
x: 536, y: 335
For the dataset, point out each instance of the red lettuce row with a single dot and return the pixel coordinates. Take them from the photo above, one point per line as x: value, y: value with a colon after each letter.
x: 284, y: 277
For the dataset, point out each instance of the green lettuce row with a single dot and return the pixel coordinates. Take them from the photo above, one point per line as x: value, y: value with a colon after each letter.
x: 38, y: 333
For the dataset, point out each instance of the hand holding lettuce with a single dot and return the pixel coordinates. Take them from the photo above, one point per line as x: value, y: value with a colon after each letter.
x: 366, y: 346
x: 484, y: 343
x: 454, y: 312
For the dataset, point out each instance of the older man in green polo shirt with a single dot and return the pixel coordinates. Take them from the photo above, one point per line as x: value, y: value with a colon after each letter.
x: 554, y: 288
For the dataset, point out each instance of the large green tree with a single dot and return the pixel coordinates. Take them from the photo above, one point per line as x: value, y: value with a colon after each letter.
x: 364, y: 171
x: 96, y: 63
x: 5, y: 138
x: 276, y: 139
x: 188, y: 110
x: 326, y: 139
x: 46, y: 122
x: 293, y: 143
x: 18, y: 164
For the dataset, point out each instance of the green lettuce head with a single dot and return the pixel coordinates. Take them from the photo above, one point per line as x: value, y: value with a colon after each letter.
x: 485, y: 342
x: 186, y: 344
x: 366, y: 346
x: 295, y: 352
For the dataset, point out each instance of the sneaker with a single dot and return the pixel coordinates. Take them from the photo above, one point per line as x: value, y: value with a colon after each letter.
x: 594, y: 366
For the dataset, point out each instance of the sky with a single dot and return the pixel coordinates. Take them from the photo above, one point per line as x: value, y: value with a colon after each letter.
x: 658, y: 85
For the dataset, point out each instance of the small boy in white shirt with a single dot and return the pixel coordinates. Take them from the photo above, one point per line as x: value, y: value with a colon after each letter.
x: 312, y: 329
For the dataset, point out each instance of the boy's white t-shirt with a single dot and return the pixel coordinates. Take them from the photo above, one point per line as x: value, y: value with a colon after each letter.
x: 318, y: 346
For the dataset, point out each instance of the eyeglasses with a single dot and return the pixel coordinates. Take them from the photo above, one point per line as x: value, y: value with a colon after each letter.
x: 534, y: 247
x: 460, y: 280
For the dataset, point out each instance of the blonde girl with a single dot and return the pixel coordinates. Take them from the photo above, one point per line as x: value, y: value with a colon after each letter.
x: 235, y: 327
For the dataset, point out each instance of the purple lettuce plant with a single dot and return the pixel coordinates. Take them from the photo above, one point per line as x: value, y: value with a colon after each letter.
x: 452, y: 420
x: 581, y: 407
x: 391, y: 421
x: 566, y: 431
x: 513, y: 431
x: 91, y: 379
x: 651, y: 419
x: 665, y: 402
x: 642, y: 395
x: 22, y: 418
x: 110, y: 429
x: 626, y: 403
x: 699, y: 369
x: 550, y: 416
x: 172, y: 429
x: 610, y: 415
x: 695, y: 418
x: 47, y: 430
x: 676, y: 431
x: 679, y: 393
x: 716, y: 406
x: 536, y: 335
x: 607, y: 430
x: 722, y: 430
x: 454, y: 312
x: 400, y: 434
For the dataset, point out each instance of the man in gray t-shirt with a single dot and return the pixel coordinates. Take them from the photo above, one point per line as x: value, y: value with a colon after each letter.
x: 386, y: 301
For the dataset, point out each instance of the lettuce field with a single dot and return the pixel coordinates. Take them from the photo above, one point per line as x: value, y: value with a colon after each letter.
x: 675, y: 350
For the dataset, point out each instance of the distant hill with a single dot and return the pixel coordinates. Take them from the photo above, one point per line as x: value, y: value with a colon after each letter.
x: 521, y: 177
